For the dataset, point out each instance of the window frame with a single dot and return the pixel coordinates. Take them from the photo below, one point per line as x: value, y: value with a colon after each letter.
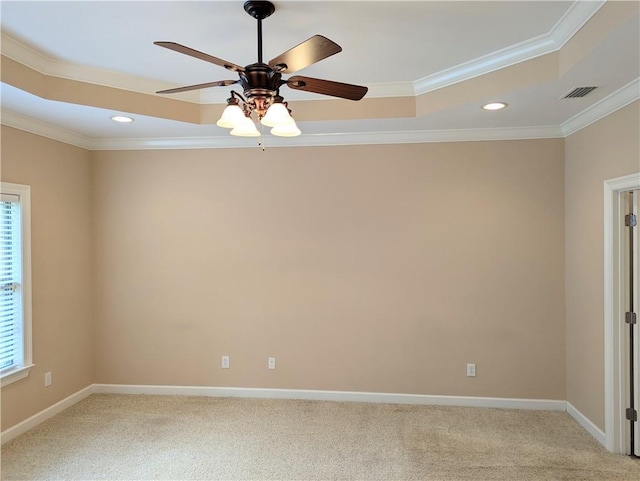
x: 21, y: 372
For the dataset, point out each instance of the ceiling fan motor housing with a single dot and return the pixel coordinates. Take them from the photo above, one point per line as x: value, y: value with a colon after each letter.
x: 260, y: 83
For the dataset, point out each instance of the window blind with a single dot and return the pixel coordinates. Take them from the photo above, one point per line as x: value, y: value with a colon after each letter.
x: 11, y: 325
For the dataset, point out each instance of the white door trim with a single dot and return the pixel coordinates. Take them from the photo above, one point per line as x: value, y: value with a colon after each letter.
x: 613, y: 299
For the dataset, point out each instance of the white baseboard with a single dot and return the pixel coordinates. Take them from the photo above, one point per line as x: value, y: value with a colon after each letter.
x: 347, y: 396
x: 586, y: 423
x: 22, y: 427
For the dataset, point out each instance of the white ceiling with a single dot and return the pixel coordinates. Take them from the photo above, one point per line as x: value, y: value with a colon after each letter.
x: 394, y: 48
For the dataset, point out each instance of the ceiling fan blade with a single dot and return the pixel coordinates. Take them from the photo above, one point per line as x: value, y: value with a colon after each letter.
x: 219, y: 83
x: 308, y: 52
x: 176, y: 47
x: 327, y: 87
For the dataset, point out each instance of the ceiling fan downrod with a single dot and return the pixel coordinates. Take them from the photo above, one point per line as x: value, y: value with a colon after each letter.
x: 259, y: 10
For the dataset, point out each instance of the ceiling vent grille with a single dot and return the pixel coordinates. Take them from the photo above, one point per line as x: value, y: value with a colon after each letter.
x: 578, y: 92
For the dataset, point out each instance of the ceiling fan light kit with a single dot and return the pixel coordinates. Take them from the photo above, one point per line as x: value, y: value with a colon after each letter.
x: 261, y: 82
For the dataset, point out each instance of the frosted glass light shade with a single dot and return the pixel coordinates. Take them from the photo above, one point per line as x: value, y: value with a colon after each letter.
x: 276, y: 114
x: 290, y: 129
x: 231, y: 117
x: 246, y: 128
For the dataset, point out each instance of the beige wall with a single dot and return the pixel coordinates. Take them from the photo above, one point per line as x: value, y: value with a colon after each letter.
x: 363, y: 268
x: 605, y: 150
x: 59, y: 176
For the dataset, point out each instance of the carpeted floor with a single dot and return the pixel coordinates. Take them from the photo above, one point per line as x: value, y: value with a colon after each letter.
x: 120, y: 437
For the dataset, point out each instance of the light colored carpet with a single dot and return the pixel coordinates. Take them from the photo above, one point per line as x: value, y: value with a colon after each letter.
x: 119, y: 437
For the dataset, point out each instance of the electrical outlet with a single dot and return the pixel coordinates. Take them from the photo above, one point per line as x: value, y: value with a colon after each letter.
x: 225, y: 362
x: 471, y: 370
x: 47, y: 379
x: 271, y: 364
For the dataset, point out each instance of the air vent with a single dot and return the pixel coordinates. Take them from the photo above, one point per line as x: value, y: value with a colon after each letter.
x: 579, y: 92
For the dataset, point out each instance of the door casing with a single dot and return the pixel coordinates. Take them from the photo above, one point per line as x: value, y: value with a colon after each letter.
x: 614, y: 308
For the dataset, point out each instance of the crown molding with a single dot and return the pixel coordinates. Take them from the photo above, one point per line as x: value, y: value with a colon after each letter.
x: 574, y: 19
x: 11, y: 119
x: 506, y: 57
x: 29, y: 124
x: 576, y: 16
x: 606, y: 106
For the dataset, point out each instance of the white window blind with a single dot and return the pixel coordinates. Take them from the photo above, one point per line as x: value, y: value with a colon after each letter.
x: 11, y: 315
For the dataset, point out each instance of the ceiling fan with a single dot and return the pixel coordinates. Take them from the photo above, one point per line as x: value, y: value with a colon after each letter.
x: 261, y: 81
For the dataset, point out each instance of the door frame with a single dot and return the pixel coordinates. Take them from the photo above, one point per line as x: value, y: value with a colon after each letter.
x: 614, y: 348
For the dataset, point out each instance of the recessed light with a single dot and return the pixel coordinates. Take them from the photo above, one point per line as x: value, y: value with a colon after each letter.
x: 494, y: 106
x: 121, y: 118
